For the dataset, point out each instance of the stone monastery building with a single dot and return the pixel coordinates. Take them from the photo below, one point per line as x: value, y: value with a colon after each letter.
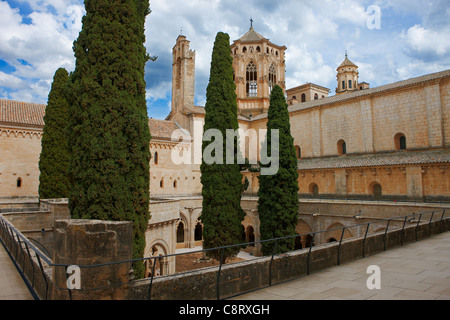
x: 385, y: 143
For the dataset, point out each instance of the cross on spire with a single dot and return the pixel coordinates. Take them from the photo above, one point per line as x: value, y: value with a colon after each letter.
x: 251, y: 23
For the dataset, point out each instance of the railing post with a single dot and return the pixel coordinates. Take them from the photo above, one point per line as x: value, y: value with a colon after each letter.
x: 308, y: 262
x: 218, y: 274
x: 429, y: 223
x: 403, y: 231
x: 385, y: 235
x: 339, y: 248
x: 151, y: 279
x: 43, y: 275
x: 31, y: 263
x: 364, y: 241
x: 417, y: 226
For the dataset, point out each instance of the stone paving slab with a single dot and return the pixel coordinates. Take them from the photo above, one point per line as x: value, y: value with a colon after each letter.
x: 12, y: 286
x: 415, y: 271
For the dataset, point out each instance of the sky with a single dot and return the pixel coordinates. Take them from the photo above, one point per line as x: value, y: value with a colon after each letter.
x: 390, y: 40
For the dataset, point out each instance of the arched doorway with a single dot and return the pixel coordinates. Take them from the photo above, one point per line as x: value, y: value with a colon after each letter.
x: 198, y: 232
x: 160, y: 264
x: 180, y: 232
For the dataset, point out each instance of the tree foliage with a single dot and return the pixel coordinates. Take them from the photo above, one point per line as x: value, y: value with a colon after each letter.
x: 278, y: 194
x: 54, y: 158
x: 109, y: 123
x: 222, y: 214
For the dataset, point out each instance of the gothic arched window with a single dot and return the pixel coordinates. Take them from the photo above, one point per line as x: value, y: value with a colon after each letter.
x: 252, y: 84
x: 303, y: 97
x: 272, y: 78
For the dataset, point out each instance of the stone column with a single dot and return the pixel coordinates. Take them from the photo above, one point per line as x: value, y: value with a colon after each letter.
x: 84, y: 243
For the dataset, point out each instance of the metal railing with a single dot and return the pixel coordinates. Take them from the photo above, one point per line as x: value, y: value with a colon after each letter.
x: 26, y: 255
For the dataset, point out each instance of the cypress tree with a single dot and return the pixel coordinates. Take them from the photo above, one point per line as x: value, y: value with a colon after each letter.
x: 278, y: 194
x: 54, y: 158
x: 109, y: 123
x: 222, y: 214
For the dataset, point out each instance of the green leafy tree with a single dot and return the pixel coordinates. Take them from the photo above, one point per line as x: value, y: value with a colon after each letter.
x: 222, y: 214
x: 108, y: 118
x: 278, y: 194
x: 54, y: 158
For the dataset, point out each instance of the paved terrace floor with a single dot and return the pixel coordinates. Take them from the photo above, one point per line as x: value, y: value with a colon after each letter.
x: 415, y: 271
x: 419, y: 270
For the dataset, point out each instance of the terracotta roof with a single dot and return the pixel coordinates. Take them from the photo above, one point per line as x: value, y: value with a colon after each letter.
x: 251, y: 36
x: 163, y: 129
x: 376, y: 160
x: 347, y: 62
x: 22, y: 113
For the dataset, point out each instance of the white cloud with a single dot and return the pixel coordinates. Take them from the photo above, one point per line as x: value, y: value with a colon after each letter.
x: 38, y: 48
x: 430, y: 43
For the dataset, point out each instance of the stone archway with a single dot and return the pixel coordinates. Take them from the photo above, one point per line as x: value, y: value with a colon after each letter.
x: 303, y: 229
x: 160, y: 266
x: 198, y: 233
x: 334, y: 233
x: 250, y: 235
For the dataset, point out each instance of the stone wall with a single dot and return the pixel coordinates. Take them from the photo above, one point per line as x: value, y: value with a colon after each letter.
x: 19, y: 150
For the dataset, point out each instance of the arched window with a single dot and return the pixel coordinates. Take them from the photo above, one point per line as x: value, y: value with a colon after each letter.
x: 244, y: 50
x: 377, y: 191
x: 316, y: 97
x: 298, y: 152
x: 156, y: 158
x: 303, y: 97
x: 198, y: 232
x: 400, y: 141
x: 175, y: 184
x: 258, y: 49
x: 252, y: 84
x: 314, y: 190
x: 342, y: 147
x: 272, y: 78
x: 161, y: 183
x: 19, y: 183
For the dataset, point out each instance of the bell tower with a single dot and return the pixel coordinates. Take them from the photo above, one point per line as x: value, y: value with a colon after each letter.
x: 258, y: 65
x: 347, y: 76
x: 183, y: 80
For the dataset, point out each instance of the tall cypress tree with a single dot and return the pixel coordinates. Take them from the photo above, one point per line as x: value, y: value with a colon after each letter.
x: 54, y: 158
x: 222, y: 214
x: 109, y: 123
x: 278, y: 194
